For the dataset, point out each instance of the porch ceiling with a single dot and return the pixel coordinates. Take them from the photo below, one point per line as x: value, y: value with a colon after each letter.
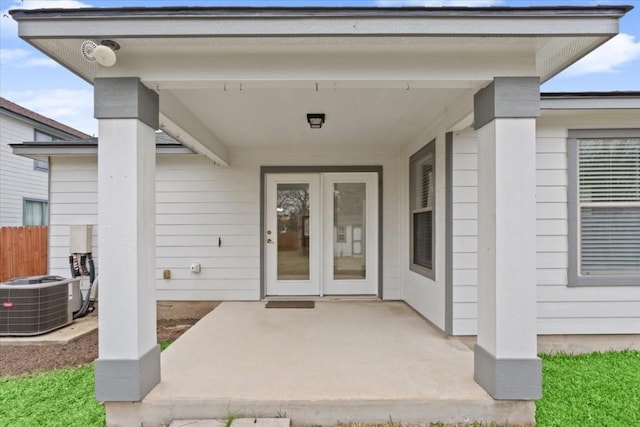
x: 365, y: 117
x: 235, y: 77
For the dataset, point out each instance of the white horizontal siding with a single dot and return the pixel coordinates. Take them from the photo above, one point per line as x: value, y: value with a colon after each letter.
x: 561, y: 309
x: 18, y: 178
x: 72, y: 201
x: 551, y: 227
x: 198, y: 205
x: 465, y: 233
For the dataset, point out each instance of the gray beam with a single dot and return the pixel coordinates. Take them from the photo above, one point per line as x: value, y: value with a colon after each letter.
x: 125, y: 98
x: 507, y: 97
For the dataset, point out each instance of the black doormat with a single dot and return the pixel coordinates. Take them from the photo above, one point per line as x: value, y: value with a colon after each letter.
x: 290, y: 304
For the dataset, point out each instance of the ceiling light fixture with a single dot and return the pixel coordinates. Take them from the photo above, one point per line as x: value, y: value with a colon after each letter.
x: 315, y: 120
x: 104, y: 54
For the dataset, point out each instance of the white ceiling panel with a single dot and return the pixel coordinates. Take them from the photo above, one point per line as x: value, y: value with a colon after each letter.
x: 277, y: 117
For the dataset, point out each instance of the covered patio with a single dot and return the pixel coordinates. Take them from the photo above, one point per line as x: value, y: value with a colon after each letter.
x: 358, y: 360
x: 237, y: 86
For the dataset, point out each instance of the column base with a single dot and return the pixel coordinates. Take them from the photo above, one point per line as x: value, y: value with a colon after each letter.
x: 508, y: 379
x: 127, y: 380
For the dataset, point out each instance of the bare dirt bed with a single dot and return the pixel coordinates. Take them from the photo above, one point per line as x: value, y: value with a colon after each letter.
x: 29, y: 359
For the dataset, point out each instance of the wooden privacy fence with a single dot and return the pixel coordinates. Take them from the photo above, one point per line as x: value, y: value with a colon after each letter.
x: 23, y: 251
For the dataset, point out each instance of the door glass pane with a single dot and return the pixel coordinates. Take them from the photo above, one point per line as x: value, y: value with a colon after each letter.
x: 293, y: 231
x: 349, y: 231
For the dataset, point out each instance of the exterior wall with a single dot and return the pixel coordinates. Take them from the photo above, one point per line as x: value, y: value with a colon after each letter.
x: 73, y: 199
x: 561, y: 309
x: 465, y: 233
x: 575, y: 310
x: 425, y: 295
x: 18, y: 178
x: 197, y: 203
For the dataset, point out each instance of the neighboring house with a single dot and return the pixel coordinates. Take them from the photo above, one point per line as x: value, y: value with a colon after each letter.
x: 404, y: 154
x: 24, y: 183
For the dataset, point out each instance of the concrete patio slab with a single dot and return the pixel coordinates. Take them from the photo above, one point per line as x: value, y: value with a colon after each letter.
x: 64, y: 335
x: 360, y: 361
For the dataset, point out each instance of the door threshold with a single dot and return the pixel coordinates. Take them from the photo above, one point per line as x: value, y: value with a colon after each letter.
x: 323, y: 298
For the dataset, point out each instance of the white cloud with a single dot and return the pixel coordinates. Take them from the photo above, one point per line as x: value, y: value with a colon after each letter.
x: 68, y: 106
x: 608, y: 58
x: 10, y: 56
x: 51, y: 4
x: 17, y: 58
x: 439, y: 3
x: 9, y: 27
x: 41, y: 62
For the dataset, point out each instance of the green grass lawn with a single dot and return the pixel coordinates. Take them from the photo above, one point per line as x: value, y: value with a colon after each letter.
x: 62, y: 397
x: 598, y: 389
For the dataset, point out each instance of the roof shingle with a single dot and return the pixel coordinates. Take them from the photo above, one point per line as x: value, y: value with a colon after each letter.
x: 24, y: 112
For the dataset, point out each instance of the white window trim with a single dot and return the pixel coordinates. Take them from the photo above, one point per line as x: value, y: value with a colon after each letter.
x: 36, y: 165
x: 575, y: 279
x: 426, y: 272
x: 24, y: 211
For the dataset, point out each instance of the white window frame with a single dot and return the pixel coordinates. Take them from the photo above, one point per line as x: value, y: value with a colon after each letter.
x: 575, y: 278
x: 41, y: 165
x: 24, y: 211
x: 426, y: 151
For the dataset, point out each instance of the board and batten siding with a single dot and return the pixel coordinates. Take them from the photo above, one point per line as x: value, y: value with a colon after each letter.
x: 198, y: 203
x: 18, y: 178
x: 561, y: 309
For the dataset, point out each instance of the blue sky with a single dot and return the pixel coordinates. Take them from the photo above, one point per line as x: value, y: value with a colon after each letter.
x: 32, y: 80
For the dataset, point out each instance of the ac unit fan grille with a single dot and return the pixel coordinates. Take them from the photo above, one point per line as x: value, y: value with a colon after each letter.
x: 34, y: 311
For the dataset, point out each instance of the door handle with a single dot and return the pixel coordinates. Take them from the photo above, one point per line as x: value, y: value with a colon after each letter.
x: 269, y: 241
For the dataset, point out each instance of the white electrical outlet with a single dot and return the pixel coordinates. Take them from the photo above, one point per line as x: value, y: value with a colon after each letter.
x: 195, y: 267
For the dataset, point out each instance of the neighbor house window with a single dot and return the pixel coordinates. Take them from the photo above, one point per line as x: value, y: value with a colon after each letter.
x: 604, y: 207
x: 41, y: 165
x: 35, y: 212
x: 341, y: 234
x: 422, y: 205
x: 39, y: 136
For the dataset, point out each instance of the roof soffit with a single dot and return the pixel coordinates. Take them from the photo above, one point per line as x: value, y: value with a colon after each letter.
x: 553, y: 37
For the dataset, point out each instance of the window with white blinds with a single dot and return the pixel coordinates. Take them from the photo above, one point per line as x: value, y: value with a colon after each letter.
x: 609, y: 206
x: 422, y: 205
x: 604, y: 207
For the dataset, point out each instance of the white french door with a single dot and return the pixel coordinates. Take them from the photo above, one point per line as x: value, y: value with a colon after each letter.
x: 292, y: 226
x: 321, y: 234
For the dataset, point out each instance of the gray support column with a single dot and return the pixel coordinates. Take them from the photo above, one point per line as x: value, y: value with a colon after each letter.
x: 506, y: 364
x: 128, y: 365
